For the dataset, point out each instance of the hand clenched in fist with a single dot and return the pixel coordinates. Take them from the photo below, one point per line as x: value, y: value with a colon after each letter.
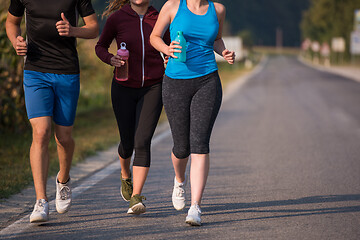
x: 63, y: 26
x: 229, y: 56
x: 21, y: 46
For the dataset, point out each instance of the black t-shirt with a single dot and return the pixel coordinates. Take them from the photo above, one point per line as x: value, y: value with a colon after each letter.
x: 47, y: 50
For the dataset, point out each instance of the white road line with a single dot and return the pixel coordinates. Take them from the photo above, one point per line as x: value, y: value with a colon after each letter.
x: 23, y: 223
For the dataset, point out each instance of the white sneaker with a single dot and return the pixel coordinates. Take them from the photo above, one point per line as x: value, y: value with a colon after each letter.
x: 40, y: 212
x: 63, y: 196
x: 194, y: 216
x: 178, y: 195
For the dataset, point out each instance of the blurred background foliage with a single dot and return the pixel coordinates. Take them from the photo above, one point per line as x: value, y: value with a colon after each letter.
x: 326, y: 19
x: 12, y: 107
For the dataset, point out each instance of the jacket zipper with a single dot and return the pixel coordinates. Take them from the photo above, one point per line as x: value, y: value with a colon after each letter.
x: 143, y: 50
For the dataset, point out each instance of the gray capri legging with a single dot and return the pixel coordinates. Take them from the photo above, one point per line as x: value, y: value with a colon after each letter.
x: 192, y: 106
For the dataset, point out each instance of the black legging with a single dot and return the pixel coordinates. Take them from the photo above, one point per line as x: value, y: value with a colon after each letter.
x: 137, y: 111
x: 191, y: 106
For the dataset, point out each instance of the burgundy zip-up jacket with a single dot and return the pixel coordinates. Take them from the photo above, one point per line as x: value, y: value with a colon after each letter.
x: 146, y: 66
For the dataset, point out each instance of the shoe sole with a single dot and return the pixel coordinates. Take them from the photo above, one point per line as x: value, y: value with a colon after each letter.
x: 192, y: 222
x: 137, y: 209
x: 39, y: 220
x: 123, y: 195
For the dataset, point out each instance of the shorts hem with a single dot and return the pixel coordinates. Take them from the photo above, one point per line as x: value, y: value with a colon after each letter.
x: 39, y: 115
x: 64, y: 124
x: 200, y: 152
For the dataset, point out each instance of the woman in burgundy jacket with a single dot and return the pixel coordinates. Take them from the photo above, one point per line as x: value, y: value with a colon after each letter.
x: 137, y: 101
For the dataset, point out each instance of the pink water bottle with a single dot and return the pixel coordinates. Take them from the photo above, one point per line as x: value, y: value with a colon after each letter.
x: 121, y: 73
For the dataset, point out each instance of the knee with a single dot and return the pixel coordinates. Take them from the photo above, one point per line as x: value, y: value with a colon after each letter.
x: 64, y: 139
x: 125, y: 150
x: 181, y: 152
x: 41, y: 135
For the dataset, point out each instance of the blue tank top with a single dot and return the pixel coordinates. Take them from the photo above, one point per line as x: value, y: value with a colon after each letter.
x: 200, y: 32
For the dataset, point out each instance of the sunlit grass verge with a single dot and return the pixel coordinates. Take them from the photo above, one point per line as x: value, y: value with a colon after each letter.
x: 93, y: 131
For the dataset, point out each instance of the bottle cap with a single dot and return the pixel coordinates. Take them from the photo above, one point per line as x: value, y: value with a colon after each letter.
x: 122, y: 45
x: 123, y: 52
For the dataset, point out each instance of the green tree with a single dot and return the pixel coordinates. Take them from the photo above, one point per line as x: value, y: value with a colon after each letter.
x: 326, y: 19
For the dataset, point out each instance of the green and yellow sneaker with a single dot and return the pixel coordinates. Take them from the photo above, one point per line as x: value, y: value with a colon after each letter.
x: 136, y: 206
x: 126, y: 188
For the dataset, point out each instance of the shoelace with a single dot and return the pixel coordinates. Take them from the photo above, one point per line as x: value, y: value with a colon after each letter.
x: 128, y: 185
x: 179, y: 191
x: 40, y: 206
x: 139, y: 198
x: 196, y: 208
x: 64, y: 192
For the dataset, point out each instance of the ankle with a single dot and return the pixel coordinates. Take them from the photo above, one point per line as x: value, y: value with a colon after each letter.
x: 180, y: 180
x: 42, y: 198
x: 135, y: 194
x: 125, y: 174
x: 63, y: 179
x: 195, y: 203
x: 63, y: 182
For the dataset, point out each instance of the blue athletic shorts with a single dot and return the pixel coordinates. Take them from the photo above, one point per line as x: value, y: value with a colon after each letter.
x: 54, y: 95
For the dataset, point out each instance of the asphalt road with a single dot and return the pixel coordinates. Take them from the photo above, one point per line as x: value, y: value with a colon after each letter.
x: 285, y: 164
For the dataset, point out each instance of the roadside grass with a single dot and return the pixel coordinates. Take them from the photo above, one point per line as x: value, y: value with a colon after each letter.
x: 93, y: 131
x: 228, y: 73
x: 95, y: 126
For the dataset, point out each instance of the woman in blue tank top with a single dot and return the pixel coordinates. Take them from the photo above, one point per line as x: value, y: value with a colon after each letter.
x: 192, y: 90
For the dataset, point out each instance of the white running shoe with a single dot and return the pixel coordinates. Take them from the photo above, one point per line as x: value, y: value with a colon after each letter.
x: 194, y: 216
x: 63, y: 196
x: 178, y: 195
x: 40, y: 212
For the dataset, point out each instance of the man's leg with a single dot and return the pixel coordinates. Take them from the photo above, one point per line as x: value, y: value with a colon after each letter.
x: 66, y: 90
x: 65, y: 147
x: 39, y: 154
x: 39, y: 100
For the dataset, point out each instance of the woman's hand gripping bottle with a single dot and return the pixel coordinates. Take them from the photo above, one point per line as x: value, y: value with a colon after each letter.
x: 181, y: 57
x: 121, y: 73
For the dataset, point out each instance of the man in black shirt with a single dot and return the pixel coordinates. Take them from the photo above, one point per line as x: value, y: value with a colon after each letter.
x: 51, y: 84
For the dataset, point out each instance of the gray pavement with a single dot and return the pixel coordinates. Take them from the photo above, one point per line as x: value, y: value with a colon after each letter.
x: 285, y: 164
